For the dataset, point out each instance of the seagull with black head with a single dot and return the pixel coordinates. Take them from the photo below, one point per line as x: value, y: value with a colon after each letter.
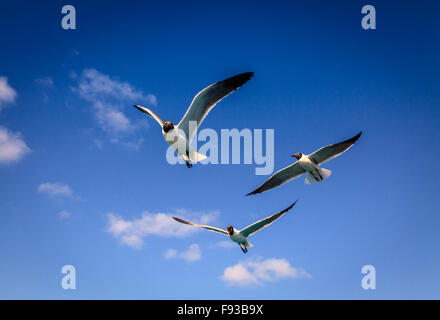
x: 240, y: 236
x: 180, y: 136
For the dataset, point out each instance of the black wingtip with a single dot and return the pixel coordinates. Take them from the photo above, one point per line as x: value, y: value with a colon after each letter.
x: 180, y: 220
x: 288, y: 208
x: 238, y: 80
x: 139, y: 108
x: 252, y: 193
x: 291, y: 206
x: 356, y: 137
x: 244, y: 75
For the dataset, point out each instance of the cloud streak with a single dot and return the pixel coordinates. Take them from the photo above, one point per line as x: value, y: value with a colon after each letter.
x: 192, y: 254
x: 257, y: 272
x: 132, y: 232
x: 7, y: 93
x: 226, y: 244
x: 55, y: 189
x: 12, y: 146
x: 45, y: 82
x: 108, y: 98
x: 64, y: 214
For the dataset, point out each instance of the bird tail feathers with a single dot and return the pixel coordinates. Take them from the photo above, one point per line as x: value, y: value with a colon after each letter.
x: 195, y: 156
x: 316, y: 178
x: 248, y: 244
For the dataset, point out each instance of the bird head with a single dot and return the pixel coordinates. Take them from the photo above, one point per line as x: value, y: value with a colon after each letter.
x: 167, y: 126
x: 297, y: 155
x: 230, y: 230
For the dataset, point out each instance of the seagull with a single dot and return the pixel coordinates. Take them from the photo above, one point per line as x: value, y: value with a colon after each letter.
x: 180, y: 136
x: 240, y: 236
x: 308, y: 164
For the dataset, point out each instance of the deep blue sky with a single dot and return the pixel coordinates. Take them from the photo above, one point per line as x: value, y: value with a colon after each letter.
x: 319, y: 78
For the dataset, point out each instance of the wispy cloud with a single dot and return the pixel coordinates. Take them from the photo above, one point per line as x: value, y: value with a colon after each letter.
x: 170, y: 254
x: 55, y: 189
x: 7, y: 93
x: 192, y: 254
x: 45, y: 82
x: 64, y: 214
x: 226, y: 244
x: 132, y: 232
x: 258, y: 271
x: 12, y: 146
x: 109, y: 97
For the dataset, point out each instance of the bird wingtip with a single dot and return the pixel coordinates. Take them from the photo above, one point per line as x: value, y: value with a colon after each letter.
x: 179, y: 220
x: 252, y: 193
x: 238, y: 80
x: 356, y: 137
x: 293, y: 204
x: 141, y: 109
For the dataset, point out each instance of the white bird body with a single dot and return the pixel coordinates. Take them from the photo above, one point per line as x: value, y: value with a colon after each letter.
x: 178, y: 141
x: 308, y: 164
x: 240, y: 236
x: 181, y: 135
x: 314, y: 173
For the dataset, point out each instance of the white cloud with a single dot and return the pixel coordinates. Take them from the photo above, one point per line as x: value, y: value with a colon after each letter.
x: 256, y: 272
x: 132, y: 232
x: 109, y: 97
x: 55, y: 189
x: 98, y: 143
x: 12, y: 146
x: 132, y: 240
x: 45, y: 82
x: 7, y: 93
x: 192, y: 254
x: 170, y: 254
x: 239, y: 275
x: 64, y: 214
x: 226, y: 244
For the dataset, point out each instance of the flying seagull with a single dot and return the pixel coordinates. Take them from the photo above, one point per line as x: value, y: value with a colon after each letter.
x: 180, y: 136
x: 240, y: 236
x: 308, y: 164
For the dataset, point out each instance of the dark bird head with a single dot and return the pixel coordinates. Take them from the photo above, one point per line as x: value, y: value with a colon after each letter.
x: 167, y: 126
x: 230, y: 230
x: 297, y: 155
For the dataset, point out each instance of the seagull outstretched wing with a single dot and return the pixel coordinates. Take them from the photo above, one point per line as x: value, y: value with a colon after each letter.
x: 257, y: 226
x: 333, y: 150
x: 206, y: 99
x: 280, y: 177
x: 218, y: 230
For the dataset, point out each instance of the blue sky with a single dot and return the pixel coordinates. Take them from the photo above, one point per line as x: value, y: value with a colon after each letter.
x: 72, y: 177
